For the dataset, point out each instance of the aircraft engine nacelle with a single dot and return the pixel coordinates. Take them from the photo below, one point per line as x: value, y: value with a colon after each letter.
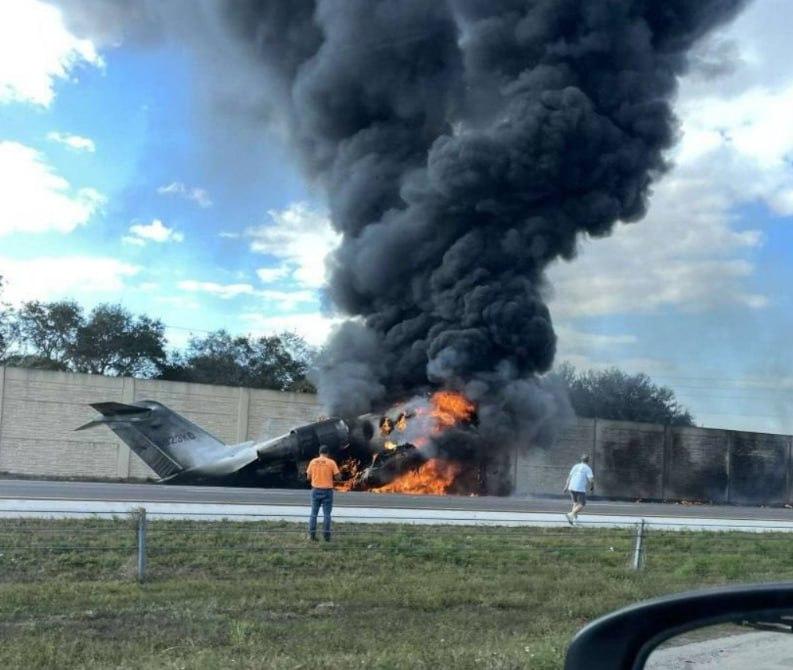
x: 332, y: 432
x: 302, y: 443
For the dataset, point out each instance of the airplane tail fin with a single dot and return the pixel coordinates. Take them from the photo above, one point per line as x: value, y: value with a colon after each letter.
x: 166, y: 441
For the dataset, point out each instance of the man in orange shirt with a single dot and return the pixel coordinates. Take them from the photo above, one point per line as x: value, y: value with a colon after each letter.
x: 321, y: 472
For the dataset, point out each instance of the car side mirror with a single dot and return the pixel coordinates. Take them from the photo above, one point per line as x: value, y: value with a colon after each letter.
x: 623, y: 640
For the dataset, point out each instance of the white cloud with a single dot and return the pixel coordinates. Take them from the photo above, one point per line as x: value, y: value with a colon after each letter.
x: 284, y: 300
x: 653, y: 367
x: 178, y: 338
x: 683, y: 255
x: 36, y: 49
x: 311, y: 326
x: 597, y: 351
x: 48, y: 278
x: 75, y: 142
x: 178, y: 301
x: 156, y: 231
x: 134, y: 241
x: 691, y: 251
x: 225, y: 291
x: 747, y: 139
x: 654, y: 270
x: 288, y: 300
x: 301, y: 237
x: 197, y: 195
x: 270, y: 275
x: 573, y: 338
x: 229, y: 235
x: 35, y: 199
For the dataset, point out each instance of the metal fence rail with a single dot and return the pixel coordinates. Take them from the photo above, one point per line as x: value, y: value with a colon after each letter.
x: 135, y: 544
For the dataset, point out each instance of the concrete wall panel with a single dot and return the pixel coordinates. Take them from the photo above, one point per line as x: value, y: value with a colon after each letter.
x: 758, y: 468
x: 697, y: 465
x: 63, y: 458
x: 543, y: 471
x: 273, y: 413
x: 40, y: 411
x: 628, y: 459
x: 214, y: 408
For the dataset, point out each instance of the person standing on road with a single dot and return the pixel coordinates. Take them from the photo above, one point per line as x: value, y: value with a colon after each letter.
x: 578, y: 481
x: 322, y: 471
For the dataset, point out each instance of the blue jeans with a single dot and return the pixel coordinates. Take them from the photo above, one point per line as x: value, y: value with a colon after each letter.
x: 323, y: 497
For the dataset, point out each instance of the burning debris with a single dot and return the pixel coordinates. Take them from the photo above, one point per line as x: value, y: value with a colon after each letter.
x: 398, y: 452
x: 464, y: 146
x: 433, y: 477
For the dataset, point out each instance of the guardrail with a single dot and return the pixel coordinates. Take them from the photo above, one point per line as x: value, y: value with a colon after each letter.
x: 131, y: 545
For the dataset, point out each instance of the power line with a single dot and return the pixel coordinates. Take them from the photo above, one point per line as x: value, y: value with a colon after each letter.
x: 750, y: 398
x: 761, y: 389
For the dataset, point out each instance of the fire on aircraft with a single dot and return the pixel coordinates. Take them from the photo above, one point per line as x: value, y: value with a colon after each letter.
x: 390, y: 451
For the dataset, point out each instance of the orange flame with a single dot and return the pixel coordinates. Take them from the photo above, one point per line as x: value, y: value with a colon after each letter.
x: 349, y: 472
x: 435, y: 477
x: 450, y: 407
x: 401, y: 423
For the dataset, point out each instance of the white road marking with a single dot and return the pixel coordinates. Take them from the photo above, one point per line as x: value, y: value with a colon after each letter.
x: 19, y: 508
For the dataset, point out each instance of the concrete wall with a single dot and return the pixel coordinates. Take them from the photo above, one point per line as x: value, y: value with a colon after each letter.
x: 39, y: 411
x: 697, y: 464
x: 649, y: 461
x: 629, y: 459
x: 544, y: 470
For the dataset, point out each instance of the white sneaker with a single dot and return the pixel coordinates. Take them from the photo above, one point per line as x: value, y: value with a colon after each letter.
x: 569, y: 518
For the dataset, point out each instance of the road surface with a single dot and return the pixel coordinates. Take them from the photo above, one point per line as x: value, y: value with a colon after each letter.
x: 20, y: 495
x: 758, y: 651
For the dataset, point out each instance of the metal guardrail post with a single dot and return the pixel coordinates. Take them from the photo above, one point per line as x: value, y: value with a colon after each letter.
x: 638, y: 549
x: 141, y: 544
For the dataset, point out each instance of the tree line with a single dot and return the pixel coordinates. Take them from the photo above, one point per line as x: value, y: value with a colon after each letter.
x: 110, y: 340
x: 617, y: 395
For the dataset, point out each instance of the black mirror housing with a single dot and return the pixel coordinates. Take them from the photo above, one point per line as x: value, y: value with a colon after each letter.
x: 624, y: 639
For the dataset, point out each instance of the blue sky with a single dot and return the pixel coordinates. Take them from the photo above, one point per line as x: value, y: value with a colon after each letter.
x: 122, y: 181
x: 160, y: 225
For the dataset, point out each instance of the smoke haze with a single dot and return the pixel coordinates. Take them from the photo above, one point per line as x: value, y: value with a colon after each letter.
x: 463, y: 146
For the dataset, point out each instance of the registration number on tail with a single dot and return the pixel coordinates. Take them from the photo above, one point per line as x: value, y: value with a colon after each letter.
x: 178, y: 438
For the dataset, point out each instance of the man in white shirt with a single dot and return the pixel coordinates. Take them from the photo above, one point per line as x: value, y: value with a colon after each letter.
x: 578, y: 481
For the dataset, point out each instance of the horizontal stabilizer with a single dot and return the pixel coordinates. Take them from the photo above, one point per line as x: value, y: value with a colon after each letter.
x: 91, y: 424
x: 115, y: 411
x: 116, y: 408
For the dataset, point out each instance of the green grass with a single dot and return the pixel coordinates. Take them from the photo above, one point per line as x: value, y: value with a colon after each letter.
x: 256, y: 595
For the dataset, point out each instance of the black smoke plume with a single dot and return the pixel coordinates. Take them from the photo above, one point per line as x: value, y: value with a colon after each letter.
x: 465, y: 145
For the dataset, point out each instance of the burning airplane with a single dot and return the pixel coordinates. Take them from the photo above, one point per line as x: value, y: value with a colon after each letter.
x: 400, y: 450
x: 464, y: 147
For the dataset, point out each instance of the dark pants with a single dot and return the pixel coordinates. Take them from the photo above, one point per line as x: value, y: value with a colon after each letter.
x: 323, y: 497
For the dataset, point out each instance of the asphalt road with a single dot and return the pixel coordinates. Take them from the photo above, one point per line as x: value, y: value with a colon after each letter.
x: 755, y: 650
x: 23, y: 489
